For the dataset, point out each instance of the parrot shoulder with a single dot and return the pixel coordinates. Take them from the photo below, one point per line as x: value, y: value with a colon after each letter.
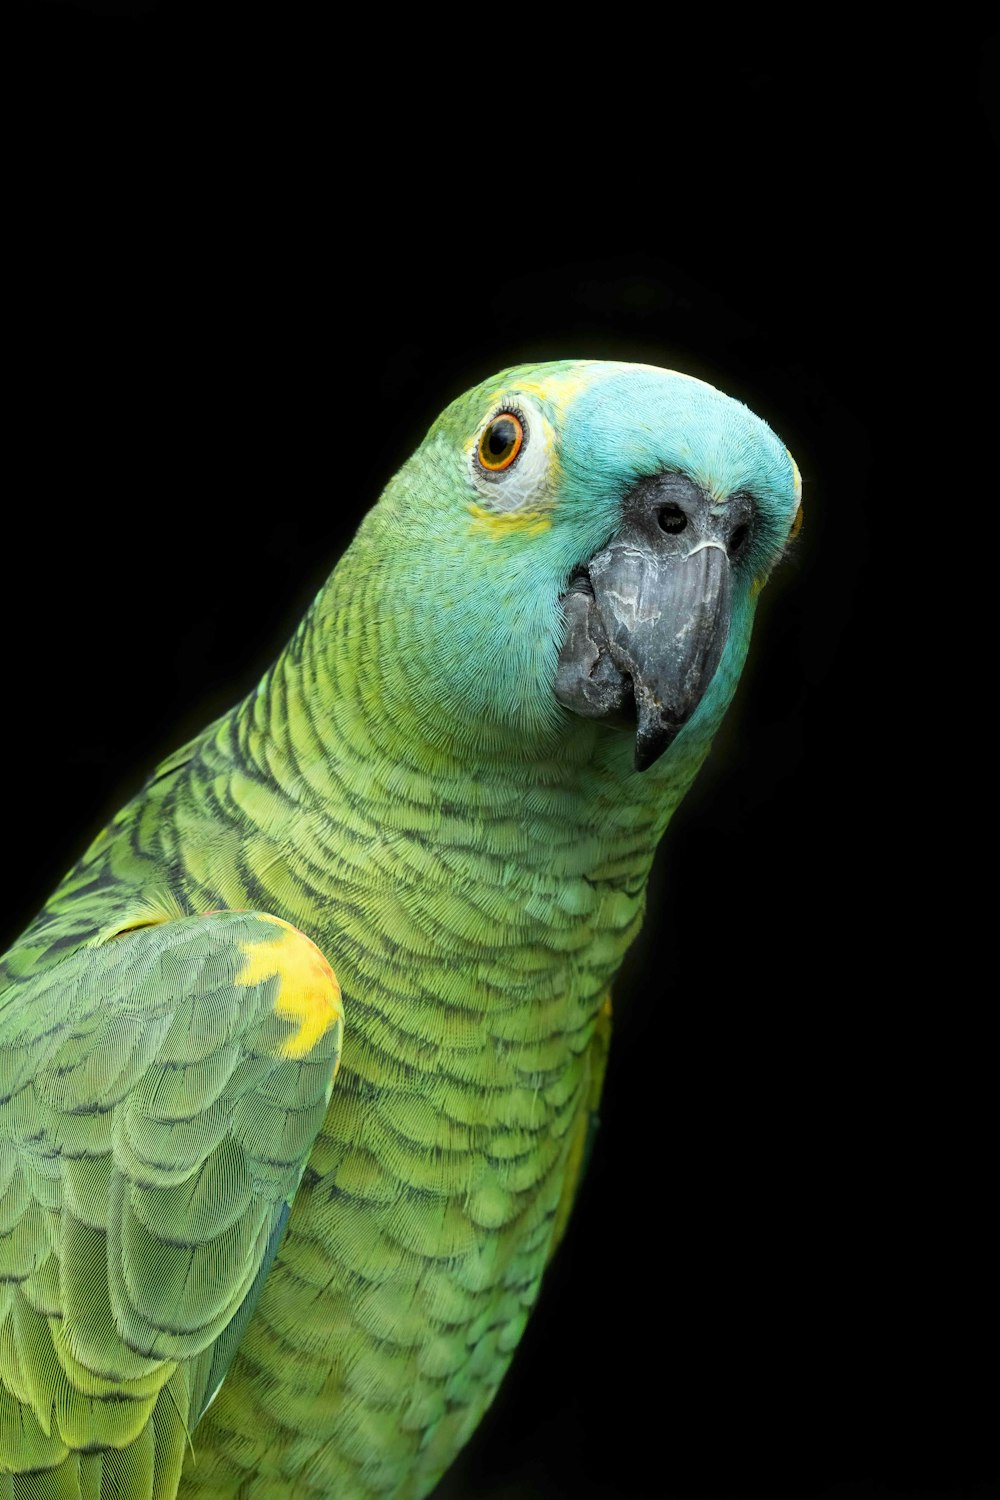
x: 161, y: 1085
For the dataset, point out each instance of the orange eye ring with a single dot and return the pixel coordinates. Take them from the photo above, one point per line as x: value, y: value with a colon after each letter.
x: 501, y: 441
x: 796, y: 525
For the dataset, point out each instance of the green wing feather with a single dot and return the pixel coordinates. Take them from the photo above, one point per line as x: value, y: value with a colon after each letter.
x: 160, y: 1091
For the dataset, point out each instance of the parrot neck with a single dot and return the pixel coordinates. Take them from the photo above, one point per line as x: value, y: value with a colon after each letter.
x: 522, y: 844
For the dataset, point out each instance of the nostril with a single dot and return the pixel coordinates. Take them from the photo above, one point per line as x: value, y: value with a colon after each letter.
x: 671, y: 518
x: 738, y: 541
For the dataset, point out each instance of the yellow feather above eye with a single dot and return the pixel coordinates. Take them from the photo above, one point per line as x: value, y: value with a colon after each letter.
x: 561, y: 390
x: 308, y: 994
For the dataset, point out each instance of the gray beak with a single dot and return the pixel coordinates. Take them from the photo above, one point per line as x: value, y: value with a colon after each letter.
x: 646, y: 619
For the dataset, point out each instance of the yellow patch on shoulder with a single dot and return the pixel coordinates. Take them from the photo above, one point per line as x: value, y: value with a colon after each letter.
x: 308, y: 993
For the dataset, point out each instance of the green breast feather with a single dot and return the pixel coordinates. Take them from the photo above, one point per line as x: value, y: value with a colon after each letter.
x: 228, y: 1269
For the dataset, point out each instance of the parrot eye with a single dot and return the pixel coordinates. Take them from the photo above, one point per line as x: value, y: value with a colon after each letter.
x: 501, y: 442
x: 796, y: 525
x: 510, y: 457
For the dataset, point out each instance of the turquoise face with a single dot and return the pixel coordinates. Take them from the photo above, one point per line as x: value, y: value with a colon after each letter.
x: 519, y: 487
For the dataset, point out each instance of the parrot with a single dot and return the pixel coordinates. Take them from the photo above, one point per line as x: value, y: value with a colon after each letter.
x: 301, y: 1063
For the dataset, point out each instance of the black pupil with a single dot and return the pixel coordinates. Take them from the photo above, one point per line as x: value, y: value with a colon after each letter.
x: 501, y: 437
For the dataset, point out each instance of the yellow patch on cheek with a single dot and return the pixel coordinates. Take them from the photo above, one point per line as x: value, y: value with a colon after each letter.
x: 308, y: 994
x: 509, y: 522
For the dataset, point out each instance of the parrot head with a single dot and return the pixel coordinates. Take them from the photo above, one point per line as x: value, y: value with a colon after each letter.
x: 573, y: 556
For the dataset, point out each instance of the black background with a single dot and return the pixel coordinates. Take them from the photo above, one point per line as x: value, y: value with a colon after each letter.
x: 239, y: 303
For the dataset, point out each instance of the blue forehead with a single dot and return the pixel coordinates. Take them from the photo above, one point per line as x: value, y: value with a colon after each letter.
x: 633, y: 422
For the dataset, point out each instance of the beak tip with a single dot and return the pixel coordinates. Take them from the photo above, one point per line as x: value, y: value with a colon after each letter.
x: 651, y: 740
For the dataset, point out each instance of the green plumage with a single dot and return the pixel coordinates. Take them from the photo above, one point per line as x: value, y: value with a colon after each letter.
x: 471, y: 859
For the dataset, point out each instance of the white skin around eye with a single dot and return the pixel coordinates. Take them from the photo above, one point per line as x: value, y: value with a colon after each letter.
x: 526, y: 481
